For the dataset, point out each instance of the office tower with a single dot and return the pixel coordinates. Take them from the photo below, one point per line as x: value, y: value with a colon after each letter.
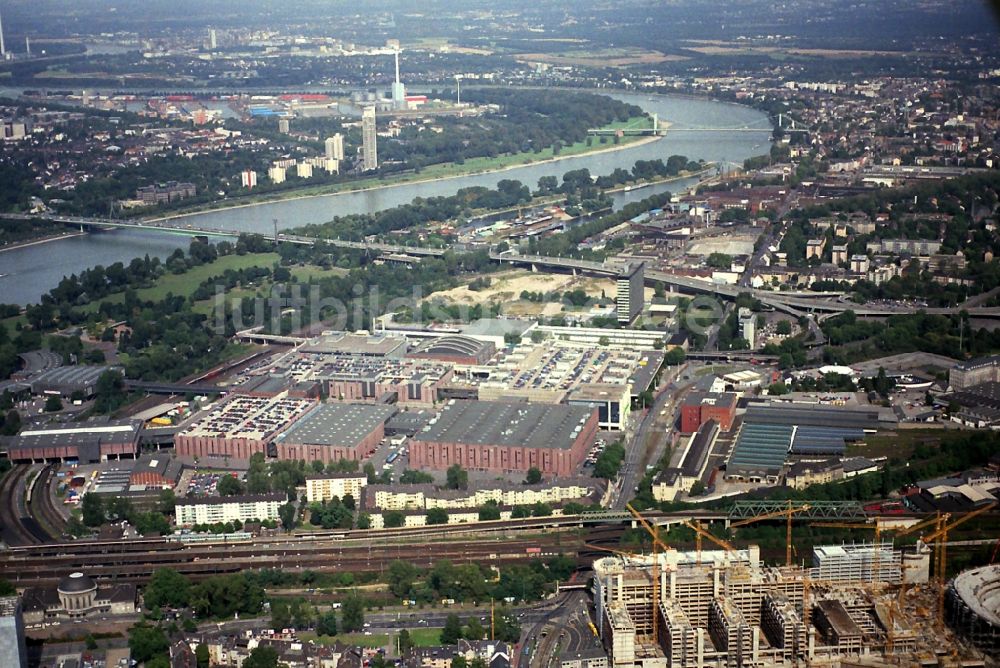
x: 629, y: 292
x: 398, y: 90
x: 335, y: 147
x: 213, y: 42
x: 13, y: 653
x: 369, y: 140
x: 748, y: 326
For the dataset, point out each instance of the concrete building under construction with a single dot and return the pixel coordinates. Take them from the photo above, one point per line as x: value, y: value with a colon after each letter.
x: 725, y: 609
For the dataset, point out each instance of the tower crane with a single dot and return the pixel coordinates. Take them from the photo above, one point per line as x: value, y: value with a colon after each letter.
x: 787, y: 513
x: 940, y: 539
x: 657, y: 543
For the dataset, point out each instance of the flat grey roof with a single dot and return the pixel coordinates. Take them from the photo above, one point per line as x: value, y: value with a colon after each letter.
x: 496, y: 327
x: 814, y: 416
x: 508, y: 424
x: 337, y: 424
x: 79, y: 433
x: 69, y: 376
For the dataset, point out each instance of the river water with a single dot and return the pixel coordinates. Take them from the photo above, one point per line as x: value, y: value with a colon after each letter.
x: 28, y: 273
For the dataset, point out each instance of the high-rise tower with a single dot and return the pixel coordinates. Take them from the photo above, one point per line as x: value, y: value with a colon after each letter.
x: 369, y: 146
x: 398, y: 90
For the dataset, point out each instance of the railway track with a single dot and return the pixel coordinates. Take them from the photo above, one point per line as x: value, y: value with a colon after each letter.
x: 12, y: 516
x: 135, y: 562
x: 47, y: 520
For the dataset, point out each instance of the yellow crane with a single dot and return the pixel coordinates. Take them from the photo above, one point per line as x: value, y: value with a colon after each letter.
x: 657, y: 543
x: 700, y: 532
x: 940, y: 539
x: 787, y: 513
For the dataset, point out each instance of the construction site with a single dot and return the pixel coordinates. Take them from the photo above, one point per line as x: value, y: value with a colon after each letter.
x: 860, y: 604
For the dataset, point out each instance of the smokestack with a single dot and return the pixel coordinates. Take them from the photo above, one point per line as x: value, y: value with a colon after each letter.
x: 397, y: 66
x: 3, y: 48
x: 27, y: 45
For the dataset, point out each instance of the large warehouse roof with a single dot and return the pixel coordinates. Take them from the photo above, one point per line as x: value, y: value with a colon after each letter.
x: 761, y: 447
x: 68, y: 378
x: 507, y: 424
x: 337, y: 424
x: 814, y: 416
x: 823, y: 440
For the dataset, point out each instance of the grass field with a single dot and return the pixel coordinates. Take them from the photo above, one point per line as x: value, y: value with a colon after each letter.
x: 421, y: 638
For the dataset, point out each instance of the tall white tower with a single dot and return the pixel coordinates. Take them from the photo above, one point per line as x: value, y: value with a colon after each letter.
x: 3, y: 47
x: 398, y: 90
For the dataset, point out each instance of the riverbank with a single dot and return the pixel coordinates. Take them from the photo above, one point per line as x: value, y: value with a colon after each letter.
x: 425, y: 176
x: 41, y: 240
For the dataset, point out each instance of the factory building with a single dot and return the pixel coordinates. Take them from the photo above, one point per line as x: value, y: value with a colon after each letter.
x: 700, y: 407
x: 462, y: 350
x: 240, y: 427
x: 504, y: 437
x: 974, y: 372
x: 248, y: 508
x: 66, y: 380
x: 331, y: 432
x: 80, y: 442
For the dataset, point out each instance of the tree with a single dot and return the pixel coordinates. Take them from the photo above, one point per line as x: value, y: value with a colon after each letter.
x: 262, y: 656
x: 404, y: 642
x: 474, y: 629
x: 719, y: 261
x: 414, y: 477
x: 534, y: 476
x: 777, y: 389
x: 201, y: 655
x: 437, y: 516
x: 489, y: 511
x: 353, y: 614
x: 53, y: 403
x: 318, y: 466
x: 281, y: 614
x: 147, y: 642
x: 11, y: 423
x: 675, y: 356
x: 92, y: 508
x: 452, y: 631
x: 326, y: 625
x: 393, y: 519
x: 784, y: 327
x: 457, y: 477
x: 698, y: 488
x: 458, y: 661
x: 287, y: 514
x: 401, y: 576
x: 166, y: 588
x: 230, y: 485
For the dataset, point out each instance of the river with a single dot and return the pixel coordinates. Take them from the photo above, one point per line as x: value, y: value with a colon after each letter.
x: 28, y: 273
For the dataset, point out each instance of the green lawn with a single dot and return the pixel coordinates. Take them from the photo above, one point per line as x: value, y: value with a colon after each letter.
x: 425, y: 637
x: 422, y: 637
x: 375, y: 640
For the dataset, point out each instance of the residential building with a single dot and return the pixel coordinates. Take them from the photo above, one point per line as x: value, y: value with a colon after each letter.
x: 248, y: 178
x: 276, y: 174
x: 334, y: 147
x: 247, y: 508
x: 326, y: 486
